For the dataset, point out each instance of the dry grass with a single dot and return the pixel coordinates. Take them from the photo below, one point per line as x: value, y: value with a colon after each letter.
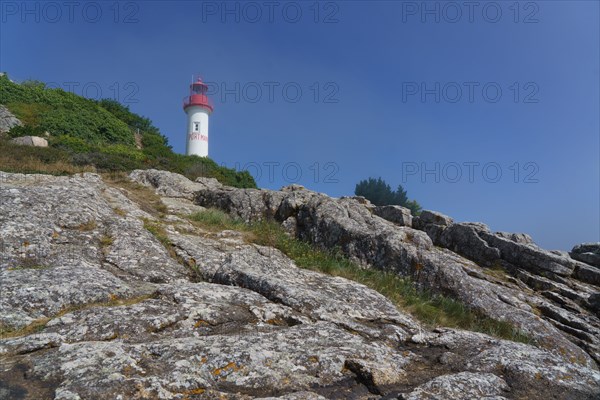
x: 37, y: 160
x: 28, y: 263
x: 106, y: 240
x: 143, y: 196
x: 31, y: 165
x: 87, y: 226
x: 120, y: 211
x: 496, y: 271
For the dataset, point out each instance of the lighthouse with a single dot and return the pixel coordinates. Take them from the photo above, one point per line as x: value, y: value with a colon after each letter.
x: 197, y: 107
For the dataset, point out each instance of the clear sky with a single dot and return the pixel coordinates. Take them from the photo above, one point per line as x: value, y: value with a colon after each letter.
x: 485, y: 111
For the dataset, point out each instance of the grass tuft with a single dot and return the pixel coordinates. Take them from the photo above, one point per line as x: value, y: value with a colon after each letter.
x: 158, y: 231
x: 89, y: 225
x: 28, y: 265
x: 217, y: 220
x: 37, y: 160
x: 106, y: 240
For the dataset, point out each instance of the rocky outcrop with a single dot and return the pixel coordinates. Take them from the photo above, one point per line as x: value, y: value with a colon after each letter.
x: 97, y: 302
x: 171, y: 185
x: 500, y: 275
x: 7, y: 120
x: 588, y: 253
x: 568, y: 286
x: 476, y: 242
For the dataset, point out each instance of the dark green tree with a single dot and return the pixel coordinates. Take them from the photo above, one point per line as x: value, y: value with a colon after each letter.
x: 414, y: 207
x: 378, y: 192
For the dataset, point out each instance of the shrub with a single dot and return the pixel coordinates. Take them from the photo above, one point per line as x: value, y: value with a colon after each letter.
x: 30, y: 160
x: 28, y: 113
x: 123, y: 151
x: 71, y: 144
x: 25, y: 130
x: 104, y: 162
x: 62, y: 112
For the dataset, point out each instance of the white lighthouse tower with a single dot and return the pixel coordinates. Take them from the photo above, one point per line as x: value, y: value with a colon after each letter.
x: 198, y: 108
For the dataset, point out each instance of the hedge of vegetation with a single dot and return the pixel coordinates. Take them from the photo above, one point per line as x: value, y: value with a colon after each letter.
x: 100, y: 134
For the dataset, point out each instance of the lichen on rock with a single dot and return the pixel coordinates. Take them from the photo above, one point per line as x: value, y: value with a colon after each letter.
x: 101, y: 299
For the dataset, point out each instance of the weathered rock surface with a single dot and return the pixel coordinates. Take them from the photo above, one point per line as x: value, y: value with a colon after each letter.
x: 588, y: 253
x: 94, y: 306
x: 35, y: 141
x: 7, y: 120
x: 463, y: 385
x: 169, y: 184
x: 396, y: 214
x: 312, y: 294
x: 522, y: 238
x: 566, y: 284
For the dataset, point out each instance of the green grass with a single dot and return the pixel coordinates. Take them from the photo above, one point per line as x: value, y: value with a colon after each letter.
x: 431, y: 309
x: 497, y: 271
x: 157, y: 230
x: 218, y: 220
x: 28, y: 265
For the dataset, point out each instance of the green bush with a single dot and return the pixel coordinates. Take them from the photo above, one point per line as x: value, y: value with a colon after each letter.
x: 102, y: 133
x: 28, y: 113
x: 70, y: 144
x: 105, y: 162
x: 96, y: 126
x: 63, y: 113
x: 155, y: 145
x: 123, y: 151
x: 25, y: 130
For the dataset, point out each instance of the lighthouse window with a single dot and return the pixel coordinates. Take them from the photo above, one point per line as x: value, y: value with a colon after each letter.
x: 196, y: 126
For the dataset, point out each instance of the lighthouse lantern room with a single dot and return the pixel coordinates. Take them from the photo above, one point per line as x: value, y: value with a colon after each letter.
x: 198, y: 107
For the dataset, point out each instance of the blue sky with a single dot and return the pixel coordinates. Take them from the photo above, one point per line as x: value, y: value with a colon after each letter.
x: 487, y: 114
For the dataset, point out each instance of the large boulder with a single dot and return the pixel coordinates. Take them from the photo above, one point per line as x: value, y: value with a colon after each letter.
x: 433, y: 223
x: 270, y: 273
x: 522, y: 238
x: 169, y: 184
x: 396, y: 214
x: 35, y: 141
